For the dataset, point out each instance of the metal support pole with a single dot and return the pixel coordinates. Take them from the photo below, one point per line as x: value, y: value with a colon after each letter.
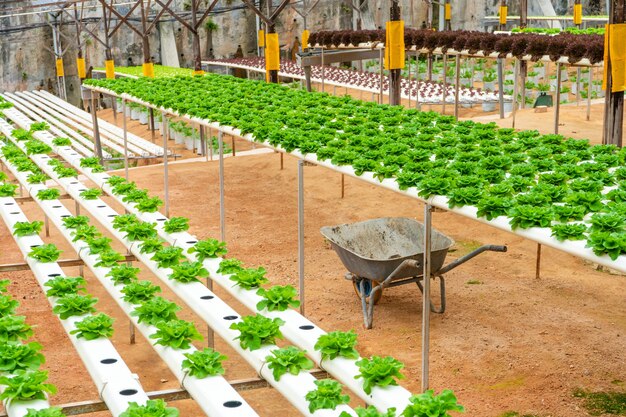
x: 151, y: 110
x: 500, y: 64
x: 301, y: 232
x: 114, y: 107
x: 426, y: 294
x: 307, y: 78
x: 323, y: 71
x: 578, y: 73
x: 381, y: 65
x: 220, y: 138
x: 538, y: 264
x: 131, y: 332
x: 589, y: 94
x: 77, y: 208
x: 557, y: 105
x: 46, y: 223
x: 202, y: 141
x: 125, y: 129
x: 515, y: 84
x: 417, y: 81
x: 343, y: 185
x: 457, y: 80
x: 96, y: 129
x: 165, y: 167
x: 445, y: 84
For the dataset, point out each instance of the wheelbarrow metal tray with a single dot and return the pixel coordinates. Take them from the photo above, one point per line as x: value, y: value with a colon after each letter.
x: 373, y: 249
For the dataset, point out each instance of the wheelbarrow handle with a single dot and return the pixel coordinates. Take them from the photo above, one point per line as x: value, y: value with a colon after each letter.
x: 472, y: 254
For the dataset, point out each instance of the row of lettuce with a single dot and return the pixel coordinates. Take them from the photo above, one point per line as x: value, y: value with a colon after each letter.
x: 254, y: 330
x: 575, y: 189
x: 19, y: 361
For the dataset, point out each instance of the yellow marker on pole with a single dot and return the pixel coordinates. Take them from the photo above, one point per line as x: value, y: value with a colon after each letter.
x: 261, y: 38
x: 614, y: 50
x: 394, y: 45
x: 305, y: 38
x: 82, y: 70
x: 504, y: 12
x: 148, y: 69
x: 272, y: 52
x: 200, y: 72
x: 59, y: 64
x: 109, y: 69
x: 578, y: 14
x: 447, y: 11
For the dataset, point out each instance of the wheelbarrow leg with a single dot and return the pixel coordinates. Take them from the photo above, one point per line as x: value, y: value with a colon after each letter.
x: 367, y: 307
x: 442, y: 289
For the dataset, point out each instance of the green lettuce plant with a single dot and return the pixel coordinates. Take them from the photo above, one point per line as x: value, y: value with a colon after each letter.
x: 257, y: 330
x: 337, y: 344
x: 26, y: 385
x: 27, y: 228
x: 94, y: 327
x: 327, y: 396
x: 230, y: 266
x: 168, y: 256
x: 139, y: 292
x: 176, y: 224
x: 74, y: 305
x: 14, y: 328
x: 152, y: 408
x: 204, y: 363
x: 430, y: 405
x: 209, y: 248
x: 123, y: 274
x: 46, y: 253
x: 188, y: 272
x: 176, y: 333
x: 109, y: 258
x: 74, y: 222
x: 289, y: 359
x: 91, y: 193
x: 249, y: 278
x: 278, y: 298
x: 156, y: 309
x: 48, y: 194
x: 379, y: 372
x: 17, y: 356
x: 62, y: 286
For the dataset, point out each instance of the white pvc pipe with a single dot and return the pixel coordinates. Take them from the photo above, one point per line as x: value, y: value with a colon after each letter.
x: 116, y: 384
x: 224, y: 401
x: 200, y: 299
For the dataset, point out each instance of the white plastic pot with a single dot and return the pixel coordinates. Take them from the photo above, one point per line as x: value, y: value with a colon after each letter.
x: 489, y: 106
x: 188, y: 142
x: 508, y: 106
x: 134, y: 114
x: 489, y: 85
x: 143, y: 118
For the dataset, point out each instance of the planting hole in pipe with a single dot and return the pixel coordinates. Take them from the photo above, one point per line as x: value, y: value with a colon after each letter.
x: 65, y: 215
x: 101, y: 206
x: 128, y: 392
x: 74, y: 183
x: 232, y: 404
x: 230, y: 317
x: 54, y: 275
x: 192, y: 242
x: 8, y: 204
x: 307, y: 327
x: 34, y: 246
x: 112, y: 215
x: 108, y: 361
x: 57, y: 206
x: 161, y: 220
x: 207, y: 297
x: 15, y: 212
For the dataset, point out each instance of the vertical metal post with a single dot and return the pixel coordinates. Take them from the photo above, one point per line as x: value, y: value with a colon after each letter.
x: 538, y: 264
x: 96, y: 129
x: 409, y: 80
x: 202, y: 140
x: 301, y: 232
x: 501, y: 86
x: 151, y: 110
x: 46, y: 223
x: 114, y: 107
x: 125, y: 129
x: 417, y: 81
x: 77, y: 208
x: 323, y: 72
x: 426, y: 295
x: 445, y: 84
x: 220, y: 138
x: 515, y: 84
x: 457, y: 81
x: 343, y: 185
x: 131, y: 332
x: 165, y: 167
x: 578, y: 73
x: 589, y: 94
x: 557, y: 105
x: 381, y: 65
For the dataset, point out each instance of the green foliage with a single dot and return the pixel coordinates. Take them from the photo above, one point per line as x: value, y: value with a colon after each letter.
x: 14, y: 328
x: 7, y: 305
x: 430, y: 405
x: 327, y: 396
x: 602, y: 402
x: 85, y: 233
x: 176, y: 333
x: 38, y: 126
x: 37, y: 178
x: 91, y: 193
x: 123, y: 274
x: 7, y: 190
x: 36, y: 147
x: 98, y: 245
x: 204, y: 363
x: 26, y: 385
x: 62, y: 286
x: 168, y: 256
x: 574, y: 231
x: 156, y: 309
x: 139, y: 292
x: 188, y: 272
x: 140, y: 231
x: 109, y: 258
x: 27, y: 228
x: 94, y: 327
x: 337, y: 344
x: 278, y: 298
x: 151, y: 245
x: 16, y: 356
x: 249, y: 278
x: 370, y: 411
x: 45, y: 412
x: 74, y: 305
x: 45, y: 253
x: 526, y: 216
x: 176, y: 224
x: 610, y: 222
x: 209, y: 248
x: 149, y: 205
x: 379, y: 372
x: 152, y: 408
x: 89, y: 162
x: 74, y: 222
x: 606, y: 243
x: 289, y: 359
x: 61, y: 142
x: 230, y: 266
x: 257, y: 330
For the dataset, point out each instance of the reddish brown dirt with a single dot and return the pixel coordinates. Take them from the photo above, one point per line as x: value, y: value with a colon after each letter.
x: 508, y: 341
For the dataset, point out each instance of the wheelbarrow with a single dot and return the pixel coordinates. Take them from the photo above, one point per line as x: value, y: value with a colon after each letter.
x: 389, y: 252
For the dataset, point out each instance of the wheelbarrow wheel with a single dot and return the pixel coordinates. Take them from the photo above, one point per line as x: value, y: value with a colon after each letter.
x: 369, y: 286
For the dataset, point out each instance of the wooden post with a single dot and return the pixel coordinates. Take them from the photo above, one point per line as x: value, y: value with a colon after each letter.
x: 394, y: 74
x: 614, y: 102
x: 197, y: 53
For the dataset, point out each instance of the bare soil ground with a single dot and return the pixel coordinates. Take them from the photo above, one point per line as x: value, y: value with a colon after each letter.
x: 508, y: 340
